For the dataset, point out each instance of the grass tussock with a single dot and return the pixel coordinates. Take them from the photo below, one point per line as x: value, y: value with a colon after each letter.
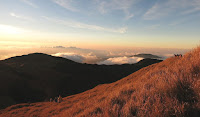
x: 167, y: 89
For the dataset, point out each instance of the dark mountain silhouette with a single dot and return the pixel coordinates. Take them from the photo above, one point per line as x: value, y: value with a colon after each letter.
x: 38, y: 77
x: 147, y: 56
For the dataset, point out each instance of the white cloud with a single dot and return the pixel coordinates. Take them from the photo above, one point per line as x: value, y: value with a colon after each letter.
x: 92, y: 58
x: 165, y: 8
x: 157, y: 11
x: 178, y: 22
x: 105, y: 6
x: 195, y: 4
x: 21, y: 17
x: 66, y: 4
x: 30, y: 3
x: 129, y: 16
x: 120, y: 60
x: 80, y: 25
x: 195, y: 7
x: 80, y: 58
x: 191, y: 10
x: 70, y: 56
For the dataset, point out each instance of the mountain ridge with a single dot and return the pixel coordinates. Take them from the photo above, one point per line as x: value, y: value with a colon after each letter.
x: 143, y: 55
x: 38, y: 77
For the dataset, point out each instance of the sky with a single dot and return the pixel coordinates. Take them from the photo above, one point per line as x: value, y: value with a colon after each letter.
x: 100, y: 24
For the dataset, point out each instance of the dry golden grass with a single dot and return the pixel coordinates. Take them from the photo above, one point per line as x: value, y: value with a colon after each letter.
x: 169, y: 88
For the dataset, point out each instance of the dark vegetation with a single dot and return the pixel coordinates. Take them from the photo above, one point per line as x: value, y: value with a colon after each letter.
x: 38, y: 77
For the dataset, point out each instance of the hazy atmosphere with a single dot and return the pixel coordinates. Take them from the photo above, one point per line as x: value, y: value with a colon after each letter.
x: 99, y: 28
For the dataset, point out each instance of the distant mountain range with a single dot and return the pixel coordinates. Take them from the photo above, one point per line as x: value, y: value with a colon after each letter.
x: 38, y: 77
x: 147, y: 56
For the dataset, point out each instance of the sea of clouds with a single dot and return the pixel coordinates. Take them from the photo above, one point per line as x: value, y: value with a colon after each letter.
x: 91, y: 56
x: 120, y: 60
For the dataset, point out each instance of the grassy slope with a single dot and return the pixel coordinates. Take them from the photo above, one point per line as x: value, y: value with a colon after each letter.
x: 169, y: 88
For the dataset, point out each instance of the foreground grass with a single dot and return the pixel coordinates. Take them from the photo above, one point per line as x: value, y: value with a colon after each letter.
x: 169, y: 88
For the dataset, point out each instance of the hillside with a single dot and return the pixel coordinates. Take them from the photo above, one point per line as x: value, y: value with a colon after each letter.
x: 168, y: 88
x: 38, y: 77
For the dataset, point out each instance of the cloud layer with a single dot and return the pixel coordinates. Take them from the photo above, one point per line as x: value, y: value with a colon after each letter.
x: 105, y: 6
x: 121, y: 60
x: 171, y: 7
x: 21, y: 17
x: 75, y: 24
x: 30, y: 3
x: 110, y: 57
x: 67, y: 4
x: 80, y: 58
x: 88, y: 58
x: 81, y: 55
